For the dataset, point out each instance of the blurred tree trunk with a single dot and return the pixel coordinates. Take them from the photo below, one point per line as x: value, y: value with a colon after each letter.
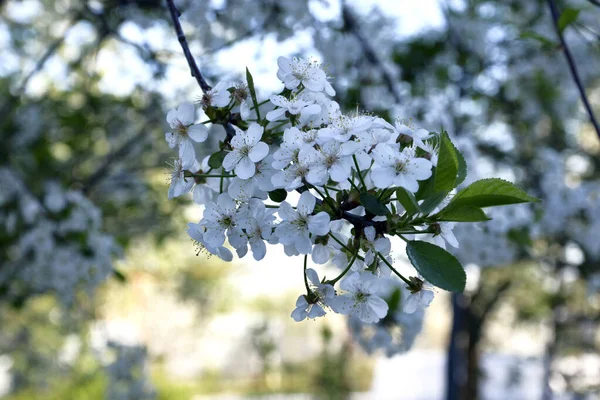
x: 470, y: 313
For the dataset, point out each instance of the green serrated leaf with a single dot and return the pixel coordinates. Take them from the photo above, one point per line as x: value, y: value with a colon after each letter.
x: 490, y: 192
x: 430, y: 203
x: 216, y: 159
x: 568, y: 16
x: 408, y: 201
x: 372, y: 204
x: 462, y: 214
x: 437, y: 266
x: 250, y: 81
x: 462, y: 168
x: 278, y: 195
x: 447, y: 166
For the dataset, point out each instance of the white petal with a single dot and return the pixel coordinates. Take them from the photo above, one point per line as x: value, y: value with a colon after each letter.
x: 231, y: 159
x: 303, y: 244
x: 319, y: 224
x: 187, y: 153
x: 258, y: 152
x: 259, y: 249
x: 245, y: 168
x: 253, y: 134
x: 320, y: 254
x: 306, y: 204
x: 275, y: 115
x: 379, y: 306
x: 426, y: 297
x: 312, y: 276
x: 198, y: 133
x: 185, y: 113
x: 382, y: 177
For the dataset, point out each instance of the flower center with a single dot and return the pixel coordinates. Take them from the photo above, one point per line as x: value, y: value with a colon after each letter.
x: 181, y: 129
x: 400, y: 166
x: 245, y: 150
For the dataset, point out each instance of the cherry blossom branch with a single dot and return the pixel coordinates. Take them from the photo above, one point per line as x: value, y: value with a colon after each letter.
x: 572, y: 66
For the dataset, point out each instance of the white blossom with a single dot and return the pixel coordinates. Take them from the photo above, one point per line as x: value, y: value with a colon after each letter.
x: 320, y: 295
x: 247, y: 150
x: 184, y: 133
x: 395, y: 168
x: 361, y: 298
x: 298, y: 225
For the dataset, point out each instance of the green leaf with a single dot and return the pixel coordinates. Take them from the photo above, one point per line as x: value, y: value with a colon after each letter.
x: 278, y: 195
x: 462, y: 214
x: 462, y: 168
x: 252, y: 92
x: 567, y: 17
x: 490, y: 192
x: 408, y: 201
x: 372, y: 204
x: 542, y: 39
x: 437, y: 266
x: 119, y: 275
x: 430, y: 203
x: 216, y: 159
x: 447, y: 165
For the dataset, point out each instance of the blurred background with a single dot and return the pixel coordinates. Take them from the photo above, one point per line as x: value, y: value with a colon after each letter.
x: 102, y: 294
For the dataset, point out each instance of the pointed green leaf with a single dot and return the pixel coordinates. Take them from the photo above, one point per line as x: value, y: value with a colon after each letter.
x: 430, y: 203
x: 490, y: 192
x: 567, y: 17
x: 437, y: 266
x: 462, y: 214
x: 447, y: 165
x: 408, y: 201
x: 372, y: 204
x: 250, y: 81
x: 547, y: 43
x: 462, y: 168
x: 216, y: 159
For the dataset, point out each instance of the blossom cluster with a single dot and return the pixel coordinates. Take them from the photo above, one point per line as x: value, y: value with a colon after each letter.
x: 53, y: 244
x: 357, y: 180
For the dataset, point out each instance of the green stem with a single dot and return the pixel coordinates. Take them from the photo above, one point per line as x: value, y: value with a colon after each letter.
x: 221, y: 183
x: 353, y: 185
x: 344, y: 272
x: 323, y: 197
x: 362, y: 181
x: 308, y: 292
x: 393, y: 269
x: 346, y: 247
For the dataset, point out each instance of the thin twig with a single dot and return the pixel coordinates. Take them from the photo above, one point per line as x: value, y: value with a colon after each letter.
x: 229, y: 130
x: 186, y: 48
x: 351, y: 24
x: 572, y: 66
x: 104, y: 170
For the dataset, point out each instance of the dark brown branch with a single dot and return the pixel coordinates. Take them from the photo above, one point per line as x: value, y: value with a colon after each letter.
x: 351, y: 24
x: 186, y: 48
x: 572, y: 66
x: 192, y: 62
